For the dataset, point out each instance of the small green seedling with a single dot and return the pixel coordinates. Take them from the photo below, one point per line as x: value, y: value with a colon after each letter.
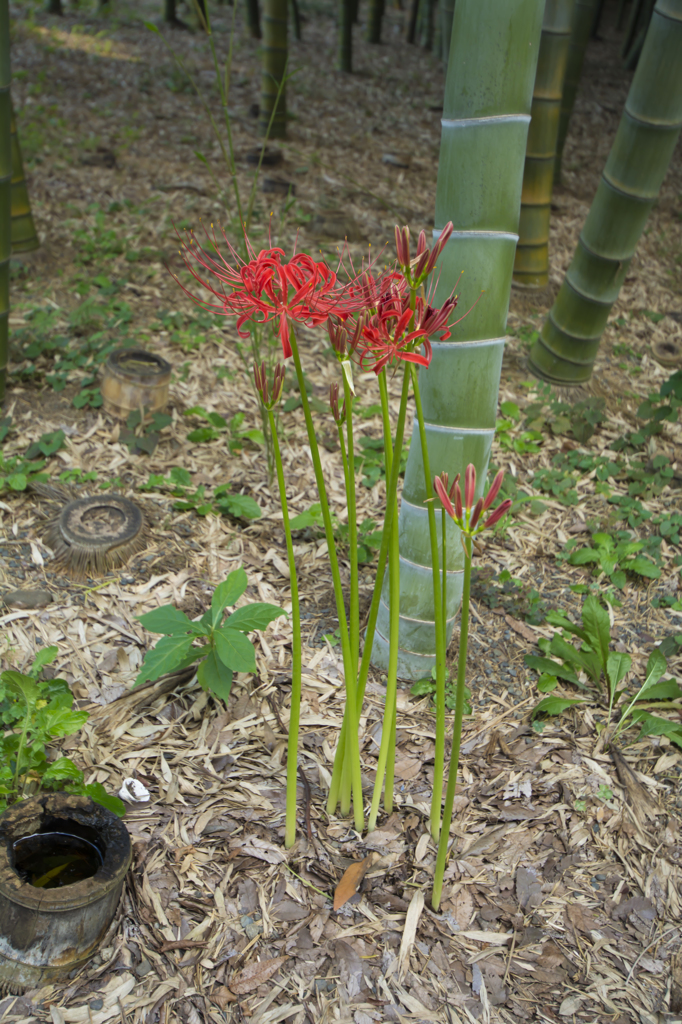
x: 221, y: 648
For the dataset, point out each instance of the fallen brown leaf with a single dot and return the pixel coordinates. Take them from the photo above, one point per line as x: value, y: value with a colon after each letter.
x: 521, y: 628
x: 351, y: 879
x: 255, y: 974
x: 221, y: 996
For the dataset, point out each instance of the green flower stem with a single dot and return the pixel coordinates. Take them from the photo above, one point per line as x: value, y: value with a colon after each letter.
x: 457, y: 731
x: 391, y: 490
x: 351, y: 709
x: 439, y: 760
x: 354, y: 601
x: 295, y: 716
x: 388, y: 730
x: 445, y: 572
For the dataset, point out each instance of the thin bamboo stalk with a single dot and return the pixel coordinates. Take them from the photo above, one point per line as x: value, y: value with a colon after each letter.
x: 253, y: 18
x: 483, y: 147
x: 23, y: 231
x: 296, y: 19
x: 274, y: 57
x: 531, y: 264
x: 632, y: 177
x: 583, y: 17
x: 447, y: 11
x: 374, y: 18
x: 412, y: 23
x: 346, y: 10
x: 5, y: 190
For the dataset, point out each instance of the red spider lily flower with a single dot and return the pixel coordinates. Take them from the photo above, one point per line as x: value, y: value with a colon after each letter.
x: 387, y: 338
x: 395, y: 331
x: 470, y: 519
x: 265, y: 288
x: 269, y: 399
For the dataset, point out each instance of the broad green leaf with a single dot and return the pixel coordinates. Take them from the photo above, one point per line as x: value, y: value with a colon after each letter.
x: 61, y: 722
x: 669, y: 689
x: 311, y: 517
x: 44, y: 657
x: 241, y: 506
x: 589, y: 662
x: 598, y: 627
x: 643, y: 567
x: 584, y: 555
x: 253, y: 616
x: 168, y: 654
x: 553, y: 668
x: 97, y: 792
x: 617, y: 667
x: 556, y: 618
x: 423, y: 687
x: 180, y: 476
x: 554, y: 705
x: 655, y: 667
x: 22, y: 685
x: 619, y: 579
x: 652, y: 725
x: 547, y: 683
x: 168, y: 619
x: 214, y: 676
x: 254, y: 435
x: 202, y: 434
x: 227, y: 593
x: 61, y: 770
x: 235, y: 650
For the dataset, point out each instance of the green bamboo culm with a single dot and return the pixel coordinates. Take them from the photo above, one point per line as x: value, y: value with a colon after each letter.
x: 375, y: 16
x: 346, y: 10
x: 639, y: 158
x: 23, y: 231
x: 274, y: 62
x: 635, y: 33
x: 583, y: 16
x: 5, y: 190
x: 488, y: 92
x: 531, y: 264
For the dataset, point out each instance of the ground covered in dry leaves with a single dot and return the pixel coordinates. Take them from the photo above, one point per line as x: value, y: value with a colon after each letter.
x: 551, y: 911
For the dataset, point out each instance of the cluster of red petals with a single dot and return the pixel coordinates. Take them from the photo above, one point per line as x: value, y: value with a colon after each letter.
x: 396, y: 330
x: 468, y: 518
x: 265, y: 288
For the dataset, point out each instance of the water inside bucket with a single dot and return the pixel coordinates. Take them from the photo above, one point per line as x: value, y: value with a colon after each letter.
x: 50, y: 860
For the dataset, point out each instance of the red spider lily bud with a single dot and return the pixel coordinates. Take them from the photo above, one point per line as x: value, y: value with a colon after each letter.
x: 440, y: 245
x: 476, y: 514
x: 402, y: 245
x: 469, y: 485
x: 338, y: 337
x: 458, y: 499
x: 454, y: 488
x: 339, y: 417
x: 497, y: 514
x: 277, y: 384
x: 421, y: 243
x: 441, y: 487
x: 354, y: 329
x: 494, y: 490
x: 261, y: 382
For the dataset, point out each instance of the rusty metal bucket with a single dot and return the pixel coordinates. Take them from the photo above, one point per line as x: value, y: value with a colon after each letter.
x: 47, y: 933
